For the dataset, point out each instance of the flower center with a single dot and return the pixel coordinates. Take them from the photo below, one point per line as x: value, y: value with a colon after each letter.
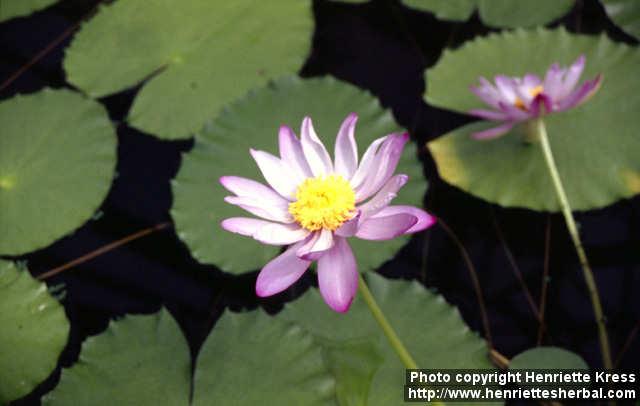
x: 533, y: 92
x: 323, y: 202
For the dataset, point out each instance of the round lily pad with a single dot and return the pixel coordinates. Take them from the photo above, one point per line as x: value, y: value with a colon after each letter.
x: 254, y: 359
x: 17, y: 8
x: 430, y: 328
x: 57, y: 159
x: 34, y: 330
x: 140, y: 360
x: 625, y: 14
x: 222, y: 148
x: 196, y: 56
x: 547, y: 358
x: 496, y: 13
x: 596, y: 145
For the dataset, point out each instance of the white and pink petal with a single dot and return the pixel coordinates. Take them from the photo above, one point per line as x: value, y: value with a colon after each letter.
x: 281, y: 272
x: 319, y: 242
x: 314, y: 150
x: 380, y: 228
x: 425, y: 220
x: 277, y: 173
x: 292, y: 154
x: 346, y: 149
x: 338, y: 276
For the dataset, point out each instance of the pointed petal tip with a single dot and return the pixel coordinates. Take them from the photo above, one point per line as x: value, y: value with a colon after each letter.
x: 285, y: 129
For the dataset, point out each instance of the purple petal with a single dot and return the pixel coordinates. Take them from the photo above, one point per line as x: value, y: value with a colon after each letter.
x: 384, y: 196
x: 507, y: 88
x: 338, y: 276
x: 489, y: 114
x: 580, y: 95
x: 487, y: 92
x: 316, y: 154
x: 315, y: 246
x: 365, y: 164
x: 262, y: 209
x: 264, y: 231
x: 530, y: 81
x: 349, y: 227
x: 525, y: 87
x: 276, y: 173
x: 346, y: 149
x: 493, y: 132
x: 387, y: 227
x: 281, y: 272
x: 280, y: 234
x: 571, y: 78
x: 243, y: 225
x: 425, y: 220
x: 553, y: 81
x: 383, y: 166
x: 291, y: 152
x: 244, y: 187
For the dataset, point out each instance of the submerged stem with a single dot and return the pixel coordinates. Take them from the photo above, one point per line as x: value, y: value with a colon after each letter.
x: 575, y: 237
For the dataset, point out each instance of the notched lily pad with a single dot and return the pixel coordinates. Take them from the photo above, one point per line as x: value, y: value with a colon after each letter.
x: 57, y: 159
x: 140, y: 360
x: 496, y: 13
x: 34, y: 331
x: 625, y: 14
x: 251, y: 358
x: 197, y: 56
x: 596, y: 146
x: 430, y: 328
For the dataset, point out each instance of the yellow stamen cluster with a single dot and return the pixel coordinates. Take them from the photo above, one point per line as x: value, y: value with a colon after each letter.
x: 533, y: 92
x: 323, y: 202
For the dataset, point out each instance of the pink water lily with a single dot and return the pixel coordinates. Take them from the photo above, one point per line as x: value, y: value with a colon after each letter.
x: 313, y: 205
x: 519, y: 99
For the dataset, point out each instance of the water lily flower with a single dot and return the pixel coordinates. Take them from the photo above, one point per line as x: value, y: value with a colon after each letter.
x: 515, y: 100
x: 312, y: 205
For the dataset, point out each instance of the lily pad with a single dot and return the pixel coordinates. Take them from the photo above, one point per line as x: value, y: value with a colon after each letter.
x: 625, y: 14
x: 430, y: 328
x: 457, y: 10
x: 17, y: 8
x: 254, y: 359
x: 34, y: 332
x: 596, y: 145
x: 194, y: 58
x: 222, y: 148
x: 141, y: 360
x: 547, y: 358
x: 57, y: 159
x: 496, y: 13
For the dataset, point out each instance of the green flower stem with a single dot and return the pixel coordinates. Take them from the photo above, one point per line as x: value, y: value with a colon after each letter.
x: 575, y: 237
x: 389, y: 332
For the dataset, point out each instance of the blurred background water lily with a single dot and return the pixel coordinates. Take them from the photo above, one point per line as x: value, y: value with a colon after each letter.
x: 313, y: 204
x: 515, y: 99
